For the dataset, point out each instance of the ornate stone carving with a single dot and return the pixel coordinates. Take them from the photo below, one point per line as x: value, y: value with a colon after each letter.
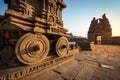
x: 32, y: 29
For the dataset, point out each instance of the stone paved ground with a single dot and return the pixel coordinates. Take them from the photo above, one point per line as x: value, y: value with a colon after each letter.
x: 101, y: 64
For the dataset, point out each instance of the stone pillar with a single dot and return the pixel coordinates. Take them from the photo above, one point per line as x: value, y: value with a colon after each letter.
x: 60, y: 13
x: 44, y: 4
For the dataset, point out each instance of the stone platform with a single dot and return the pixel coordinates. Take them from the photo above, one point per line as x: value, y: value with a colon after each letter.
x: 101, y: 64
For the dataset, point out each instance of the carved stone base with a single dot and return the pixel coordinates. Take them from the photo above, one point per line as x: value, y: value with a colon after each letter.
x: 21, y: 72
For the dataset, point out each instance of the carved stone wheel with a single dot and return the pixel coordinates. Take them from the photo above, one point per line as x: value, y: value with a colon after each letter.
x: 62, y: 46
x: 32, y: 48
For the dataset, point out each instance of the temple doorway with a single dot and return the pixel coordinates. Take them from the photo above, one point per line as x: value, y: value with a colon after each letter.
x: 97, y: 39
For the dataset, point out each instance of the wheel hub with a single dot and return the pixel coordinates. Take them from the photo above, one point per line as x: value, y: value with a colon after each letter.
x: 32, y: 48
x: 62, y: 46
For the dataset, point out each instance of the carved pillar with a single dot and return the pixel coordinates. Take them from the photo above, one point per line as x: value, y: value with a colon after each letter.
x: 49, y: 7
x: 60, y: 13
x: 44, y: 5
x: 12, y: 4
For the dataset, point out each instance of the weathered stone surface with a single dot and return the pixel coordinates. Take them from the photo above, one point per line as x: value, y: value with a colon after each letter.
x: 87, y: 65
x: 32, y: 29
x: 99, y: 28
x: 49, y: 75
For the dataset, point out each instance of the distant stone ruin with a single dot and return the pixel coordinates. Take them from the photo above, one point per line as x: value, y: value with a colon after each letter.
x: 99, y: 29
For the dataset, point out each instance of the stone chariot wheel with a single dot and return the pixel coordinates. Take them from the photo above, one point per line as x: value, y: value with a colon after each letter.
x: 62, y: 46
x: 32, y: 48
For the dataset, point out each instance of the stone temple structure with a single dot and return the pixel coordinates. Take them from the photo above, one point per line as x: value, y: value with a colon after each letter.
x: 31, y: 31
x: 99, y: 29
